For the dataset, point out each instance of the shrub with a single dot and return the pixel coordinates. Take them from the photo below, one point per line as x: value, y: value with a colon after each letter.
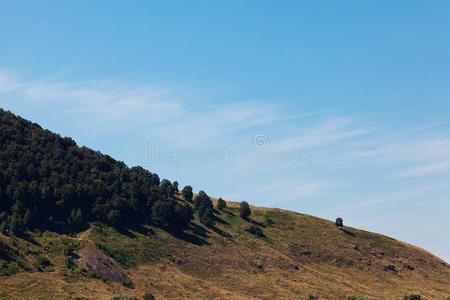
x: 339, y: 222
x: 42, y: 261
x: 91, y: 274
x: 9, y: 268
x: 221, y: 204
x: 390, y: 268
x: 255, y: 231
x: 412, y: 297
x: 244, y: 211
x: 122, y: 297
x: 148, y: 296
x: 123, y: 256
x: 311, y: 297
x: 68, y: 262
x: 71, y: 247
x: 128, y: 283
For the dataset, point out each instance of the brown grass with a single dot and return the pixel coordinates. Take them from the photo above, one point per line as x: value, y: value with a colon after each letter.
x: 300, y: 255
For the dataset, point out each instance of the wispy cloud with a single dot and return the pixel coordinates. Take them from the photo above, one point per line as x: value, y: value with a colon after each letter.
x: 8, y: 81
x: 156, y: 110
x: 326, y: 132
x: 358, y: 168
x: 309, y: 189
x: 428, y: 169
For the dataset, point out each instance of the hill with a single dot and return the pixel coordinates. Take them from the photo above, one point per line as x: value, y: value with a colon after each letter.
x: 76, y: 224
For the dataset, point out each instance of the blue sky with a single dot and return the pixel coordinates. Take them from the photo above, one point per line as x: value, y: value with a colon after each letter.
x: 331, y: 108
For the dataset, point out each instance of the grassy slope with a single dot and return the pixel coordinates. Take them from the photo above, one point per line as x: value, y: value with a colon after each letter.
x: 300, y: 255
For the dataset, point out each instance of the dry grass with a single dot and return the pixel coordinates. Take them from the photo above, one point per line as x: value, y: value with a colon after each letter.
x: 300, y: 255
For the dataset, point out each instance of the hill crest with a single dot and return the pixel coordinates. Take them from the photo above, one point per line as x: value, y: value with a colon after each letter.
x: 65, y: 207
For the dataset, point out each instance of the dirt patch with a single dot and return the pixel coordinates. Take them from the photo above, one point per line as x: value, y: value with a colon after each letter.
x: 95, y: 261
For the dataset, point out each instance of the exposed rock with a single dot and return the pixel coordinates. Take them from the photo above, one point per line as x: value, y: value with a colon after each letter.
x: 95, y: 261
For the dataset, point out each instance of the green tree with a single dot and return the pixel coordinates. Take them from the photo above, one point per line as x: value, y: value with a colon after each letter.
x: 4, y: 221
x: 75, y: 221
x: 221, y: 204
x: 17, y: 225
x: 175, y: 186
x: 163, y: 212
x: 167, y: 188
x: 244, y: 210
x: 207, y: 217
x: 187, y: 193
x: 183, y: 215
x: 204, y: 208
x: 202, y: 202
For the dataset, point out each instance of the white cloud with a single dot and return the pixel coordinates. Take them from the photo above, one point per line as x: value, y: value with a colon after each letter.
x: 150, y: 110
x: 309, y: 189
x: 428, y: 169
x: 329, y: 131
x: 8, y: 81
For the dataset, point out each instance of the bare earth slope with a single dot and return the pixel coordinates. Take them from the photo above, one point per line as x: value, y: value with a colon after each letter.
x: 299, y: 255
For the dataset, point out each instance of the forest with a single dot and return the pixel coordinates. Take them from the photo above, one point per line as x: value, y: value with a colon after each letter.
x: 47, y: 182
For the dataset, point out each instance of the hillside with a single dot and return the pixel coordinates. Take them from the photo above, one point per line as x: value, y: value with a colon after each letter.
x: 77, y: 223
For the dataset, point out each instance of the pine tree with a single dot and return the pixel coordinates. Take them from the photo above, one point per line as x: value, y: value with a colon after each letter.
x: 244, y: 210
x: 221, y: 204
x: 187, y: 193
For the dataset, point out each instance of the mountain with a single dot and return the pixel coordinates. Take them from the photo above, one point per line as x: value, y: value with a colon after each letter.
x: 77, y: 224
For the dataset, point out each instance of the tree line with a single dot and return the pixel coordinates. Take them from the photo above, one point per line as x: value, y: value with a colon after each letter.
x: 48, y: 182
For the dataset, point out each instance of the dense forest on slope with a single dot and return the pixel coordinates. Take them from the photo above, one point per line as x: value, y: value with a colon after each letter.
x: 48, y: 182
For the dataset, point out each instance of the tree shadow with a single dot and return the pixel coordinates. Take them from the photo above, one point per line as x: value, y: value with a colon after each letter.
x: 5, y: 251
x: 255, y: 222
x: 347, y: 232
x: 219, y: 220
x: 30, y: 239
x: 198, y: 230
x: 196, y: 238
x: 190, y: 238
x: 221, y: 232
x: 228, y: 212
x: 126, y: 231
